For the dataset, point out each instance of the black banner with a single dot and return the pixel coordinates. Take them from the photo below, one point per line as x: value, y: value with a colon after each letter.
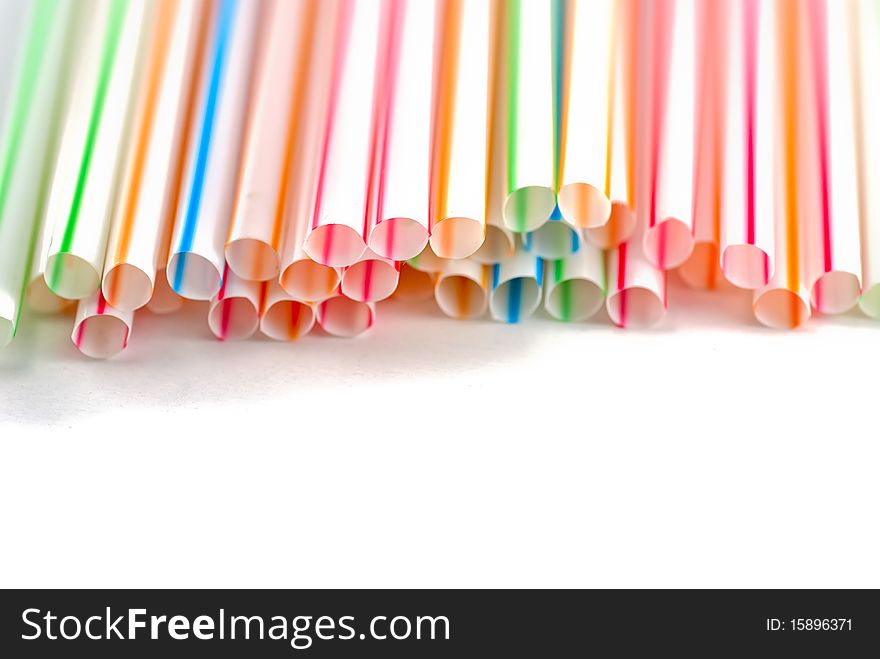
x: 446, y: 623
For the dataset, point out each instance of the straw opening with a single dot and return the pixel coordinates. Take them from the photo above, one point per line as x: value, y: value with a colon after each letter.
x: 101, y: 337
x: 193, y: 276
x: 635, y: 307
x: 369, y: 280
x: 398, y: 238
x: 515, y: 299
x: 746, y: 266
x: 307, y: 280
x: 457, y: 237
x: 668, y: 243
x: 127, y: 287
x: 460, y: 297
x: 780, y: 308
x: 233, y: 318
x: 574, y: 300
x: 584, y: 205
x: 336, y: 245
x: 252, y: 259
x: 342, y: 317
x: 287, y: 320
x: 71, y: 276
x: 835, y: 292
x: 529, y: 207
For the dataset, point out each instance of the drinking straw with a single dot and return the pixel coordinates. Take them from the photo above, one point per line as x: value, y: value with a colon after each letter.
x: 586, y: 112
x: 867, y: 44
x: 27, y: 147
x: 574, y: 287
x: 462, y: 288
x: 616, y: 154
x: 785, y: 301
x: 280, y: 84
x: 14, y: 16
x: 343, y: 317
x: 531, y: 195
x: 164, y: 300
x: 283, y: 318
x: 669, y: 239
x: 371, y: 279
x: 100, y: 331
x: 397, y: 216
x: 150, y: 182
x: 414, y: 285
x: 832, y: 191
x: 234, y: 313
x: 498, y: 243
x: 747, y: 236
x: 80, y: 206
x: 636, y: 289
x: 460, y: 128
x: 703, y: 267
x: 336, y: 229
x: 196, y: 260
x: 528, y: 208
x: 302, y: 277
x: 515, y: 288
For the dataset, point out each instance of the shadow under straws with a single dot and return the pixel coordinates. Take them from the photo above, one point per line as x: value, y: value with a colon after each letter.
x: 174, y: 361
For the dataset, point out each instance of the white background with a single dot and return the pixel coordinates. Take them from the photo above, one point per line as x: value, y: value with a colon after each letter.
x: 706, y: 452
x: 431, y: 452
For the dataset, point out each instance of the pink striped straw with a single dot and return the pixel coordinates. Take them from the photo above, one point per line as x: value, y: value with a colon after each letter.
x: 636, y: 289
x: 397, y: 213
x: 668, y: 239
x: 703, y: 267
x: 234, y: 313
x: 747, y: 234
x: 336, y: 231
x: 99, y: 330
x: 343, y: 317
x: 371, y: 279
x: 831, y: 179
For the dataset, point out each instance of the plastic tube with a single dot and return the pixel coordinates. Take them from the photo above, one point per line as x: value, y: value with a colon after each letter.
x: 196, y: 260
x: 80, y: 206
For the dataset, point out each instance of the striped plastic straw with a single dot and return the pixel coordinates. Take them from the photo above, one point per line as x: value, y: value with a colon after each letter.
x: 515, y: 287
x: 99, y: 330
x: 281, y: 82
x: 574, y: 287
x: 397, y: 212
x: 282, y: 318
x: 462, y: 288
x: 866, y: 18
x: 460, y: 128
x: 747, y: 235
x: 80, y: 206
x: 703, y: 267
x: 148, y: 194
x: 669, y: 239
x: 832, y: 194
x: 586, y: 113
x: 785, y: 301
x: 343, y: 317
x: 27, y: 148
x: 196, y: 260
x: 336, y: 229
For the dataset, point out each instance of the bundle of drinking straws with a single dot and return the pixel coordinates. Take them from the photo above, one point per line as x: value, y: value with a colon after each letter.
x: 296, y: 161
